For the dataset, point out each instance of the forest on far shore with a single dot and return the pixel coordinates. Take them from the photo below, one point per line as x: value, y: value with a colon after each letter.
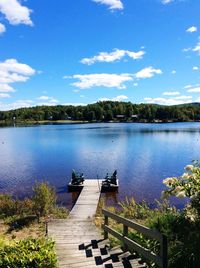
x: 106, y: 111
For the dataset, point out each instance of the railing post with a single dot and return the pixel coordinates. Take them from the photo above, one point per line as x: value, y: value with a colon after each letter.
x: 105, y: 223
x: 125, y: 233
x: 164, y: 252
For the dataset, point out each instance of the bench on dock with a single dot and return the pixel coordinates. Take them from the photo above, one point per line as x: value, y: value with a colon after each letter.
x: 102, y: 186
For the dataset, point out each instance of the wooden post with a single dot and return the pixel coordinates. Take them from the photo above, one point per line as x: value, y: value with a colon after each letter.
x: 46, y: 227
x: 125, y: 233
x: 106, y: 223
x: 164, y: 252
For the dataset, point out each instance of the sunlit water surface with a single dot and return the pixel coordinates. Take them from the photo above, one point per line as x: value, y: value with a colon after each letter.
x: 143, y: 154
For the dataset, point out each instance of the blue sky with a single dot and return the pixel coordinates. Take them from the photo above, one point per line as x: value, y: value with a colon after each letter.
x: 83, y: 51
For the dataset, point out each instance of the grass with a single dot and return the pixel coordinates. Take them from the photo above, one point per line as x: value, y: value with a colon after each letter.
x: 14, y: 229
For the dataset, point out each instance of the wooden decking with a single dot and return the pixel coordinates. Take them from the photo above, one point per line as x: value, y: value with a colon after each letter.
x: 78, y: 241
x: 86, y: 205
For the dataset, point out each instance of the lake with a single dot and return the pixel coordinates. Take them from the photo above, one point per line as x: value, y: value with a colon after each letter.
x: 143, y: 154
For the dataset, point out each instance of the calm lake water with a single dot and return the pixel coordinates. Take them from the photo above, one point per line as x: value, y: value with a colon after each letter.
x: 143, y: 154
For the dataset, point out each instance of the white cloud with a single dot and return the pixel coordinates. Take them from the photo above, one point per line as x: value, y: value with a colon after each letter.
x: 194, y: 49
x: 112, y: 4
x: 197, y: 48
x: 192, y: 29
x: 187, y: 86
x: 195, y: 90
x: 174, y: 72
x: 195, y: 68
x: 171, y: 93
x: 187, y: 49
x: 118, y: 98
x: 2, y: 28
x: 4, y: 95
x: 75, y: 103
x: 136, y: 55
x: 11, y: 71
x: 165, y: 2
x: 183, y: 97
x: 165, y: 101
x: 190, y: 86
x: 15, y: 105
x: 117, y: 54
x: 111, y: 80
x: 50, y: 100
x: 135, y: 84
x: 15, y: 13
x: 48, y: 103
x: 147, y: 73
x: 43, y: 98
x: 98, y: 80
x: 6, y: 88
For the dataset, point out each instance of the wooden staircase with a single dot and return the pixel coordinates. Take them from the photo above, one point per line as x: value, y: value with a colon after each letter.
x: 79, y: 243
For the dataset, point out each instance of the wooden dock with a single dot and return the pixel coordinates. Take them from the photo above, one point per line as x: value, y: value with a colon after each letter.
x: 79, y: 243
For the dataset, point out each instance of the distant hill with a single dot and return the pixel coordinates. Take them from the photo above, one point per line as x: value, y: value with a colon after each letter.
x: 189, y: 104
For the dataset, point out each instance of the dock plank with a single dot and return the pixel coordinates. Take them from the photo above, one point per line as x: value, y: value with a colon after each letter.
x: 78, y: 240
x: 78, y: 229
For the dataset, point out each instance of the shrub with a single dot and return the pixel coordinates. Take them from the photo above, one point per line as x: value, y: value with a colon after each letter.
x: 42, y: 204
x: 187, y: 185
x: 7, y: 205
x: 44, y: 199
x: 31, y: 253
x: 10, y: 207
x: 183, y: 230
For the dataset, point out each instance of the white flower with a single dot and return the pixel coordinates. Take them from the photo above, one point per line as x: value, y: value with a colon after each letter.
x: 178, y: 188
x: 185, y: 176
x: 193, y: 177
x: 189, y: 167
x: 181, y: 194
x: 169, y: 181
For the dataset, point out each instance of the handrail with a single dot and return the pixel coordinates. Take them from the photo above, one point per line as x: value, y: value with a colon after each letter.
x: 160, y: 260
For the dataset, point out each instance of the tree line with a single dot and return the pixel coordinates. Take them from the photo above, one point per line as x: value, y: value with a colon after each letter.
x: 106, y: 111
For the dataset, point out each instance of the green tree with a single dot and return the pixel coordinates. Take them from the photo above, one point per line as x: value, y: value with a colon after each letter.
x: 109, y: 115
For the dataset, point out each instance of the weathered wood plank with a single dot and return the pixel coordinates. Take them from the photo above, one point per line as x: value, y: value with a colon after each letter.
x: 79, y: 230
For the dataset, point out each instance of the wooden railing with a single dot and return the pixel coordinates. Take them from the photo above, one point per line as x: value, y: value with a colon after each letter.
x: 129, y: 244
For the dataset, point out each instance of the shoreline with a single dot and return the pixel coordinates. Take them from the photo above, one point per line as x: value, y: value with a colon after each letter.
x: 71, y: 122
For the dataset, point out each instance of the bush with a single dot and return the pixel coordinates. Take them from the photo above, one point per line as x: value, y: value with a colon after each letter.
x: 11, y: 207
x: 7, y: 205
x: 187, y: 185
x: 183, y: 230
x: 31, y: 253
x: 44, y: 199
x: 42, y: 204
